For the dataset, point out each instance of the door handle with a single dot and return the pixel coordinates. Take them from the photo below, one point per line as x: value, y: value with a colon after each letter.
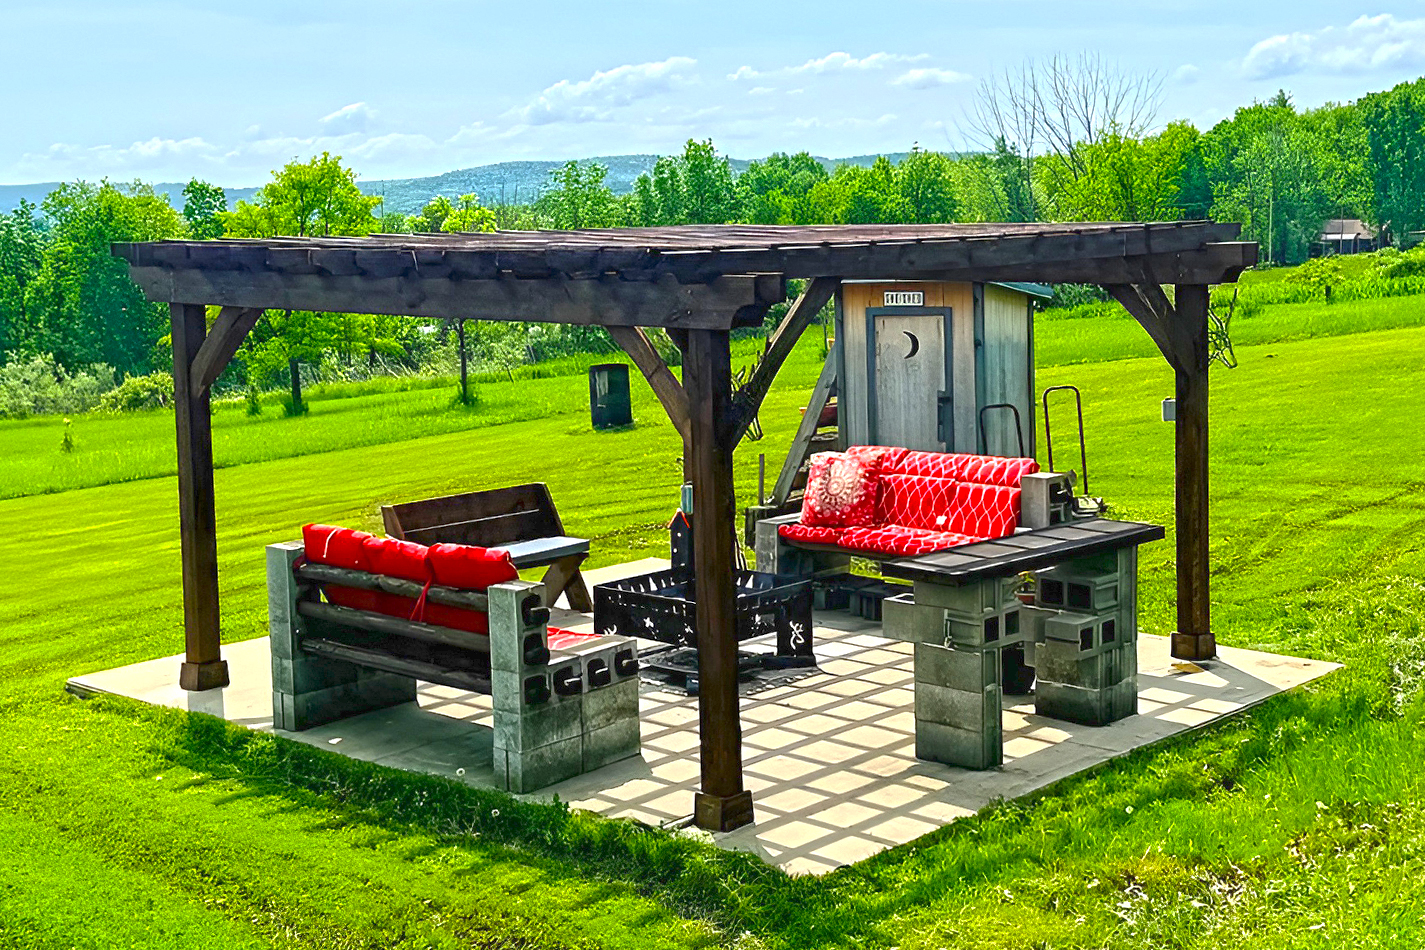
x: 944, y: 402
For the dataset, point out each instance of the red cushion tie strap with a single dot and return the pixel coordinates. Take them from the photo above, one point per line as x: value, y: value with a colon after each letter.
x: 418, y: 613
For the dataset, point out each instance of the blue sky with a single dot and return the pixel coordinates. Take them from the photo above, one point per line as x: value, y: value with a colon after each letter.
x: 229, y: 91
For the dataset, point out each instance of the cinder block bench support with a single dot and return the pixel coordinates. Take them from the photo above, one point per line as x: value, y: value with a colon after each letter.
x: 311, y: 690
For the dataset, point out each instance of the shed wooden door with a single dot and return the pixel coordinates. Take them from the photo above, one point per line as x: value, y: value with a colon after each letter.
x: 910, y: 379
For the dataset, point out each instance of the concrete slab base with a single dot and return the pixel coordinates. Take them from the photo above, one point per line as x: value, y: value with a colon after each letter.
x: 830, y: 759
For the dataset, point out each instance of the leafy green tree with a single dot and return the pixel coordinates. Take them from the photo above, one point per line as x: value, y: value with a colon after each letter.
x: 926, y: 184
x: 81, y: 305
x: 1125, y: 179
x: 469, y: 215
x: 857, y: 195
x: 432, y: 216
x: 778, y: 189
x: 697, y: 187
x: 21, y: 256
x: 313, y: 198
x: 579, y: 198
x: 1394, y: 122
x: 203, y: 205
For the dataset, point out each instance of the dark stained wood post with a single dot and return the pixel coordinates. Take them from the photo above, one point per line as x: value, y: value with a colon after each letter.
x: 1194, y: 639
x: 203, y: 665
x: 722, y: 804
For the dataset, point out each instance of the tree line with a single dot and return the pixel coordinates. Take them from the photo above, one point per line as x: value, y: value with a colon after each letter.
x: 1060, y: 141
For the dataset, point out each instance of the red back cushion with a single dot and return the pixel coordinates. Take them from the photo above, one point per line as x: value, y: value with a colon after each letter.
x: 841, y: 491
x: 337, y: 547
x: 984, y: 511
x: 932, y: 464
x: 469, y: 567
x: 994, y: 470
x: 916, y: 501
x: 404, y: 559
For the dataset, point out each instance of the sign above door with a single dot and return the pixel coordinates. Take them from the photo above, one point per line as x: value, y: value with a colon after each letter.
x: 904, y: 298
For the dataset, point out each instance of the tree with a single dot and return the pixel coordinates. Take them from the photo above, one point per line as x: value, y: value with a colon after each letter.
x: 778, y: 189
x: 203, y: 205
x: 21, y: 255
x: 81, y: 305
x: 313, y: 198
x: 697, y: 187
x: 1394, y: 123
x: 927, y: 188
x: 579, y: 198
x: 1127, y: 179
x: 468, y: 215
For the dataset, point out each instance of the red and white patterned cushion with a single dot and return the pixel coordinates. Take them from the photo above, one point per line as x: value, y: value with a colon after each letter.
x: 841, y: 491
x: 811, y: 534
x: 932, y: 464
x: 915, y: 501
x: 897, y: 541
x: 995, y: 470
x: 985, y: 511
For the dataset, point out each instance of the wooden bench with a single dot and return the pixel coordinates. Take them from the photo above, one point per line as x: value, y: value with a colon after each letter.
x: 521, y: 519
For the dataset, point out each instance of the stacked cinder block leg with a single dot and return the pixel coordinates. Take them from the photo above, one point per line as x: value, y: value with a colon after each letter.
x: 1087, y: 662
x: 311, y: 690
x: 557, y: 714
x: 538, y: 706
x: 959, y: 633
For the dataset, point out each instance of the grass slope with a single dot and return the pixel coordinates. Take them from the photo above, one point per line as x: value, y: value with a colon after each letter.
x: 1297, y: 826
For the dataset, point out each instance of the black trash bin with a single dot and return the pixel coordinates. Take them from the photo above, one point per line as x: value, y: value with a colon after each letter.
x: 609, y: 403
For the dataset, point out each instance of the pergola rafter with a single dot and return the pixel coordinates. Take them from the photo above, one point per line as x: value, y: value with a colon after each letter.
x: 697, y: 283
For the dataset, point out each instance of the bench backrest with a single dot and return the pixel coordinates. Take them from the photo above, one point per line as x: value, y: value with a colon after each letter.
x: 485, y: 519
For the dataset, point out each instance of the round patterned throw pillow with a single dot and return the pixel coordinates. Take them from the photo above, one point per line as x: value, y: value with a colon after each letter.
x: 840, y: 492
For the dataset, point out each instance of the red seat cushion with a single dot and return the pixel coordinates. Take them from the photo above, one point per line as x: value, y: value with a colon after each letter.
x: 468, y: 567
x: 985, y: 511
x: 810, y: 534
x: 563, y: 639
x: 897, y: 541
x: 840, y: 491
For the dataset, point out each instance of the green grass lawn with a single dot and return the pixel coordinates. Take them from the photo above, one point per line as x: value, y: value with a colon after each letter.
x: 1299, y: 825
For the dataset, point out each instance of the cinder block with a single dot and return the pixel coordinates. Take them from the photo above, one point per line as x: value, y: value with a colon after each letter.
x: 283, y: 623
x: 969, y: 670
x: 619, y: 740
x: 1123, y: 699
x: 555, y: 721
x: 284, y: 714
x: 1086, y: 591
x: 376, y: 691
x: 1059, y: 661
x: 509, y: 605
x: 993, y: 629
x: 963, y: 747
x: 904, y: 619
x: 957, y: 707
x: 1080, y: 628
x: 529, y: 771
x: 513, y: 692
x: 1031, y: 621
x: 1074, y: 703
x: 610, y: 705
x: 968, y: 600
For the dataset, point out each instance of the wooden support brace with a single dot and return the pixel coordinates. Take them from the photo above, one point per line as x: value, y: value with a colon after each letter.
x: 1153, y: 311
x: 227, y: 333
x: 748, y: 399
x: 665, y: 385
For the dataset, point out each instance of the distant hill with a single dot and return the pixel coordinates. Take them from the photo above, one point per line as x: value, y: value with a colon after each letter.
x: 501, y: 183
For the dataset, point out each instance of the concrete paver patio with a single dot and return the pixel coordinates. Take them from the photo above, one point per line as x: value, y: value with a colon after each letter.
x: 830, y: 758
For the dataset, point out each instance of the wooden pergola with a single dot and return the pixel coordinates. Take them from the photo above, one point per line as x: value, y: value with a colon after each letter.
x: 697, y: 283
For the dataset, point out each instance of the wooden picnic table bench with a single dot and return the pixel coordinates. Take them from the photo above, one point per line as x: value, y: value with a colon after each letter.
x: 521, y: 519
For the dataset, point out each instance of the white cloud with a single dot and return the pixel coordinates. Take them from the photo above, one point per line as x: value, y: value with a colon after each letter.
x: 1186, y: 73
x: 760, y: 90
x: 352, y: 118
x: 594, y: 99
x: 928, y: 77
x: 836, y: 61
x: 1367, y: 44
x: 743, y: 72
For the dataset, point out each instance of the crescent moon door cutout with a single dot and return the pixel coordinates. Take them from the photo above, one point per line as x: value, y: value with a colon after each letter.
x: 909, y: 376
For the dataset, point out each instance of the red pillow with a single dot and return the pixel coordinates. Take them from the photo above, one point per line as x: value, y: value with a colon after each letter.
x: 840, y: 492
x: 338, y: 547
x: 471, y: 568
x: 404, y: 559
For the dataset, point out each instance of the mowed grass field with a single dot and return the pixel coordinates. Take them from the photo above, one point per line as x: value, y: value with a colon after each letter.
x: 1299, y: 825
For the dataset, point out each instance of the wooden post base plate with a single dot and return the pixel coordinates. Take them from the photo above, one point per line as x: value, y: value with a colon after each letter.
x: 200, y: 676
x: 1194, y: 646
x: 722, y: 813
